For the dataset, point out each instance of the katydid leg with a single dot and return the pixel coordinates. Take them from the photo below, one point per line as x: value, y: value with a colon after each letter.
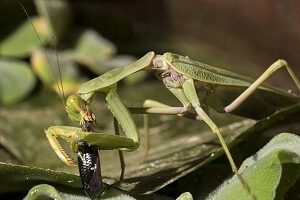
x: 190, y: 92
x: 155, y: 107
x: 251, y: 89
x: 147, y: 136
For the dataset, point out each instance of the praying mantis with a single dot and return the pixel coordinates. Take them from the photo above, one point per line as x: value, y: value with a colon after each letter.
x: 185, y: 78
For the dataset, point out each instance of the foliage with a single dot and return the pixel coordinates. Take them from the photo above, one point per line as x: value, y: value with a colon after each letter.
x: 89, y: 49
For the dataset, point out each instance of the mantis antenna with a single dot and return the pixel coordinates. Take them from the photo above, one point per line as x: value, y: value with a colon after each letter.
x: 59, y: 84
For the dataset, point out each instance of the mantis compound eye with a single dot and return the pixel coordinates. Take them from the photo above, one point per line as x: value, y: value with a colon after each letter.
x: 75, y: 104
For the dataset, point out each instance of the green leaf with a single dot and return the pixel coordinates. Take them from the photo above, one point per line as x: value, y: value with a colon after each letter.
x: 16, y: 178
x: 264, y: 172
x: 92, y: 45
x: 24, y: 39
x: 43, y: 183
x: 16, y: 81
x: 43, y: 191
x: 96, y: 52
x: 56, y: 13
x: 49, y: 74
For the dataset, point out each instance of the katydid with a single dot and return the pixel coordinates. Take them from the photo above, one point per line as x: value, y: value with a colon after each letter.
x: 183, y: 77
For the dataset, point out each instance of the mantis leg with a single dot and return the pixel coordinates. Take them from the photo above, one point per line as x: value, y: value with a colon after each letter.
x: 104, y: 141
x: 155, y: 107
x: 190, y: 92
x: 73, y: 135
x: 121, y: 156
x: 122, y: 115
x: 52, y: 136
x: 274, y: 67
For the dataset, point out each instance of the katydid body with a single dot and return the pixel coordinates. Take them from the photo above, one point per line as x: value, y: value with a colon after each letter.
x: 225, y: 86
x: 185, y: 77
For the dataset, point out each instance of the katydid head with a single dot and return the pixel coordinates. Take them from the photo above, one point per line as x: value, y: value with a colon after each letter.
x: 78, y: 110
x: 164, y: 71
x: 160, y: 63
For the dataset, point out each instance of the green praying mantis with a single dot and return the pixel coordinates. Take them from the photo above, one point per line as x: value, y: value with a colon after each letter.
x: 190, y: 81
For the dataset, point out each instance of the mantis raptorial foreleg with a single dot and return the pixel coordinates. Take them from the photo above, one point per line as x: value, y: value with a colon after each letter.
x: 251, y: 89
x: 101, y: 140
x: 52, y: 135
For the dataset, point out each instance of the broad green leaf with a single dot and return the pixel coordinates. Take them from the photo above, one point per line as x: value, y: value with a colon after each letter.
x: 43, y: 191
x: 16, y: 178
x: 56, y: 13
x: 91, y: 45
x: 97, y: 53
x: 49, y: 74
x: 16, y: 81
x: 24, y: 39
x: 43, y: 183
x: 264, y: 172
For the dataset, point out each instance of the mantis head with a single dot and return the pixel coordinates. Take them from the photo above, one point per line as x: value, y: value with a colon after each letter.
x: 78, y: 110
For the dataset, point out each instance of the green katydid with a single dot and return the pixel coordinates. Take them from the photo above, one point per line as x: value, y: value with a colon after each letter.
x: 180, y: 74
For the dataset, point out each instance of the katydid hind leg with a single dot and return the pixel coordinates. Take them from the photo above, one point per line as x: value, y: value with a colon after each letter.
x: 190, y: 92
x: 156, y: 107
x: 147, y: 136
x: 251, y: 89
